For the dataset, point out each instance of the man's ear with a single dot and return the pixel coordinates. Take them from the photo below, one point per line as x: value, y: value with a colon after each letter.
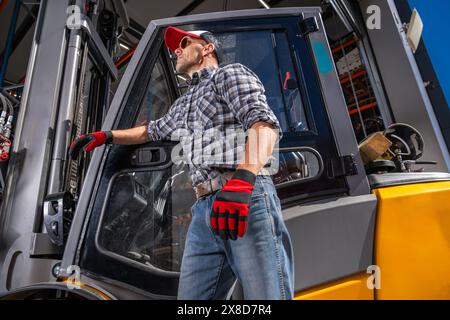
x: 209, y: 47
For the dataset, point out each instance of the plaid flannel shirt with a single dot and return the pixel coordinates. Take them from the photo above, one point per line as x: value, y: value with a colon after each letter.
x: 219, y: 106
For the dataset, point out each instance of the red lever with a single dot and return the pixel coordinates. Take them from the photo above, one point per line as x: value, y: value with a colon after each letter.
x: 286, y: 78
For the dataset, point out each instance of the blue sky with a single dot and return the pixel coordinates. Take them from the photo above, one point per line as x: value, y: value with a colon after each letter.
x: 436, y: 36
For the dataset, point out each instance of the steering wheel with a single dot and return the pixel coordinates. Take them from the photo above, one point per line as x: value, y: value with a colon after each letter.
x: 406, y: 141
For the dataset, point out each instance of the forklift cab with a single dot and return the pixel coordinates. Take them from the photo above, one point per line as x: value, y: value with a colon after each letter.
x: 135, y: 204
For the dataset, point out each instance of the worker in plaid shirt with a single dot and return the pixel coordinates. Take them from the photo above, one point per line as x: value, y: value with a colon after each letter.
x: 237, y: 229
x: 215, y: 99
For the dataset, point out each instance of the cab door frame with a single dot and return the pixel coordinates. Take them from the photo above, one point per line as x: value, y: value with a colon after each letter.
x: 345, y: 141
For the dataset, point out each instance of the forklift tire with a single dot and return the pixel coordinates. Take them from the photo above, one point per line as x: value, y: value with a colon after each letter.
x: 56, y: 291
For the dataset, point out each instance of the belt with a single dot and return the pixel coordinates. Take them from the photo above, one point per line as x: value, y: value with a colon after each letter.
x: 211, y: 185
x: 217, y: 183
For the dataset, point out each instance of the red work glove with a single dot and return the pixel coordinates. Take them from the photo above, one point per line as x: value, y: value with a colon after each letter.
x: 89, y: 142
x: 230, y: 208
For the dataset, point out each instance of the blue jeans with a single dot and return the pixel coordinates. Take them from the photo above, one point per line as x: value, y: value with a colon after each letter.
x: 262, y: 260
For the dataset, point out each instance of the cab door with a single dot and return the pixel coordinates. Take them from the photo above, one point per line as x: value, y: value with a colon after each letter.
x: 134, y: 210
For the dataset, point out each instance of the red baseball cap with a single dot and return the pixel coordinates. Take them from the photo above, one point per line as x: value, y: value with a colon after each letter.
x: 173, y: 36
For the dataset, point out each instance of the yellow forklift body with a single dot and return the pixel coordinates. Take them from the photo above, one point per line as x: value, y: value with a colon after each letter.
x: 412, y: 241
x: 412, y: 248
x: 350, y: 288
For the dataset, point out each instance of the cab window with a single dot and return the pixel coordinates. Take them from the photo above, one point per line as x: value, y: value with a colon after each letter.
x: 147, y: 212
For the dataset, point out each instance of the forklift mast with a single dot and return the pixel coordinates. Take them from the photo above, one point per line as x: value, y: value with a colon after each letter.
x: 66, y: 93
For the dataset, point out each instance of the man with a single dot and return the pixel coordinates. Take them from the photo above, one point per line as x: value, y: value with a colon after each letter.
x: 237, y: 229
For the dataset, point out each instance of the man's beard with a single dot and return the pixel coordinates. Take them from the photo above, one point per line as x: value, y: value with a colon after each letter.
x: 185, y: 66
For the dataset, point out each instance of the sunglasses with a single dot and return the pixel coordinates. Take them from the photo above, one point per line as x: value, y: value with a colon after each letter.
x: 186, y: 41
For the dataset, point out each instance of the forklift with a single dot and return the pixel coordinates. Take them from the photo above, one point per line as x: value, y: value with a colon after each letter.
x: 112, y: 224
